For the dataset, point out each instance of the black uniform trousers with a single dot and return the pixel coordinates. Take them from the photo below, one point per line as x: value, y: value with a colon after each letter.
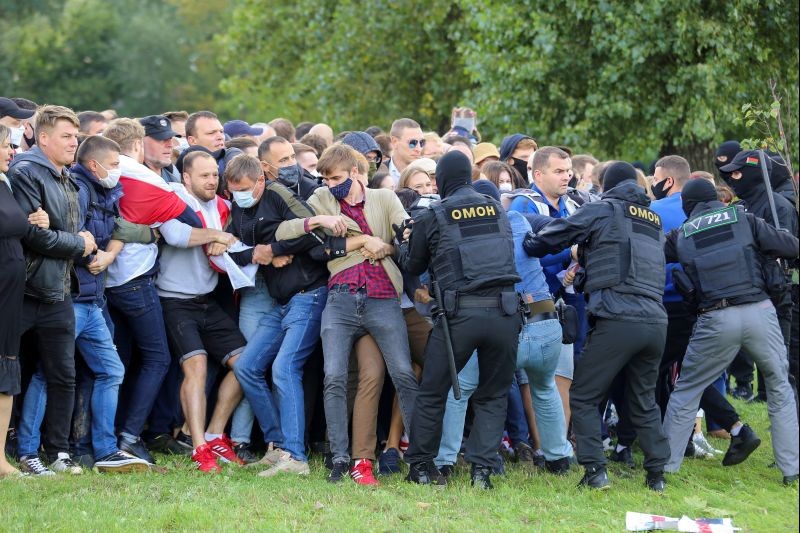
x: 496, y: 337
x: 615, y: 346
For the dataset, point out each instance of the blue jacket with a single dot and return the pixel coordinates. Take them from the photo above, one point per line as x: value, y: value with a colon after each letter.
x: 529, y: 268
x: 670, y: 209
x: 98, y: 208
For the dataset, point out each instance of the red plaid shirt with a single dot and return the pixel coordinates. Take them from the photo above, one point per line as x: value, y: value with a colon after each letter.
x: 365, y: 274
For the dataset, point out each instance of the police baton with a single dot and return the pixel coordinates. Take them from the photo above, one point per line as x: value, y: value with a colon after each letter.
x: 451, y: 358
x: 768, y: 185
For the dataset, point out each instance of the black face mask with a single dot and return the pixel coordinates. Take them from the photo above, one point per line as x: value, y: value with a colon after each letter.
x: 522, y: 167
x: 30, y: 141
x: 658, y: 189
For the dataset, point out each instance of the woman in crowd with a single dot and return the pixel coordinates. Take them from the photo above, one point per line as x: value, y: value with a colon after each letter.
x: 12, y: 287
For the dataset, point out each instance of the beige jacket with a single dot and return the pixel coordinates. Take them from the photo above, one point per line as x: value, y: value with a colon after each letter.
x: 382, y: 208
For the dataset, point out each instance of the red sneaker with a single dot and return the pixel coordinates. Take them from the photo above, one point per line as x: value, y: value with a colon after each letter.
x: 205, y: 459
x: 222, y: 447
x: 362, y: 473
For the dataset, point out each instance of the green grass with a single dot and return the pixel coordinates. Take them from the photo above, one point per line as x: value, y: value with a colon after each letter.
x: 183, y: 499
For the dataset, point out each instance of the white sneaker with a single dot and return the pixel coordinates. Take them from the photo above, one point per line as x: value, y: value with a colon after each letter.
x: 289, y: 465
x: 65, y: 464
x: 33, y: 466
x: 699, y: 441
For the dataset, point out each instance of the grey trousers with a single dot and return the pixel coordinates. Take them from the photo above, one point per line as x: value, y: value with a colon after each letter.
x: 717, y: 338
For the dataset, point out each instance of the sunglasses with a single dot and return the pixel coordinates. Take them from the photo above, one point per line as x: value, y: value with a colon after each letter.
x: 414, y: 142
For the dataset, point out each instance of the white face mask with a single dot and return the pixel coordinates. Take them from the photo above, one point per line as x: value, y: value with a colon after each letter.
x: 505, y: 187
x: 112, y: 177
x: 183, y: 144
x: 16, y: 136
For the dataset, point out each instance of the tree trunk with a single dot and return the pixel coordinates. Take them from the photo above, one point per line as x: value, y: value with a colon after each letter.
x: 699, y: 154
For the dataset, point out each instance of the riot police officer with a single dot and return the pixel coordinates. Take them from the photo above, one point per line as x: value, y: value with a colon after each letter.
x: 621, y: 251
x: 465, y: 240
x: 723, y: 251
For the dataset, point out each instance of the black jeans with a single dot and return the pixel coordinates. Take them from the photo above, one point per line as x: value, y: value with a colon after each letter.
x: 615, y: 346
x: 496, y: 338
x: 54, y: 327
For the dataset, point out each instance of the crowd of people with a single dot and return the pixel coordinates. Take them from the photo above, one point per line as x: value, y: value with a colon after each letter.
x: 238, y: 293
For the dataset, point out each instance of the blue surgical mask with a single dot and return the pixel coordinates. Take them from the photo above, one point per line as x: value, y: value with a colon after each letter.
x: 244, y: 199
x: 341, y: 191
x: 289, y: 176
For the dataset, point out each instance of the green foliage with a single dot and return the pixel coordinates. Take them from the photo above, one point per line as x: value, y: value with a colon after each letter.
x: 350, y: 63
x: 624, y: 79
x: 94, y: 54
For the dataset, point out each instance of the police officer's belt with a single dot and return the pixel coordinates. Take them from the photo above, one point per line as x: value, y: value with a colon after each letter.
x: 472, y: 302
x: 722, y: 304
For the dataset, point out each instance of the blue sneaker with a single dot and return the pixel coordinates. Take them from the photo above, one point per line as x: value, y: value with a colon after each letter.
x: 389, y: 462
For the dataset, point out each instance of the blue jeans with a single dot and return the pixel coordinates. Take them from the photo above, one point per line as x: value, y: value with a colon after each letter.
x: 516, y: 423
x: 136, y: 311
x: 284, y: 340
x: 96, y: 346
x: 254, y: 303
x: 456, y: 412
x: 346, y: 317
x: 538, y: 354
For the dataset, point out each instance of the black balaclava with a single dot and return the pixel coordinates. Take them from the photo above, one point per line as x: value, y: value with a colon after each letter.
x: 779, y: 173
x: 453, y: 172
x: 728, y: 150
x: 696, y: 192
x: 750, y: 187
x: 616, y: 173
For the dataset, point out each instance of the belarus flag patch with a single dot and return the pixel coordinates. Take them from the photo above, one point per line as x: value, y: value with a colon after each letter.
x: 752, y: 161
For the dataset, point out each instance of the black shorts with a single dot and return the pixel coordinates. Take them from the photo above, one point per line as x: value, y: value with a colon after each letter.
x: 198, y: 326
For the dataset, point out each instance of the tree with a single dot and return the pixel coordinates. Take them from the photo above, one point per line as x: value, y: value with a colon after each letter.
x: 348, y: 63
x: 627, y: 79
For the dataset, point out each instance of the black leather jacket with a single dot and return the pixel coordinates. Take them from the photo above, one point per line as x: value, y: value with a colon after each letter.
x: 48, y: 252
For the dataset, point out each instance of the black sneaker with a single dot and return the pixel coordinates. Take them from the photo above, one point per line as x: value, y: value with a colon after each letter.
x: 165, y: 443
x: 447, y: 471
x: 121, y: 463
x: 243, y: 452
x: 655, y: 481
x: 32, y: 465
x: 559, y: 467
x: 137, y: 448
x: 743, y: 392
x: 426, y: 473
x: 524, y: 453
x: 340, y: 470
x: 85, y: 460
x: 624, y: 456
x: 790, y: 480
x: 11, y: 443
x: 741, y: 446
x: 184, y: 440
x: 327, y: 458
x: 389, y: 462
x: 480, y: 477
x: 595, y: 478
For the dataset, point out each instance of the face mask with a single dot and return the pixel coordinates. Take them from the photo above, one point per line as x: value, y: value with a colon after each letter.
x: 373, y: 168
x: 658, y: 189
x: 289, y: 176
x: 505, y: 187
x: 16, y: 136
x: 341, y: 191
x: 112, y: 177
x: 244, y: 199
x: 530, y: 177
x: 521, y: 166
x: 183, y: 144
